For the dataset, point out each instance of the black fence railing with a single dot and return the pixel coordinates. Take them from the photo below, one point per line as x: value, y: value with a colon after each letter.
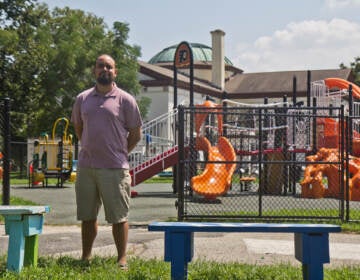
x: 268, y: 163
x: 5, y: 149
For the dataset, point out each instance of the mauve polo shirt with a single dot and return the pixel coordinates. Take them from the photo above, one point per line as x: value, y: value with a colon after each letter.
x: 105, y: 120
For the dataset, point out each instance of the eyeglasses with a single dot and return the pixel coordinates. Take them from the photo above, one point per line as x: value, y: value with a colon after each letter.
x: 106, y: 65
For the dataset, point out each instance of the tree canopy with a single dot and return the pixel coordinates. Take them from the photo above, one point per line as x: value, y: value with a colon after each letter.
x: 47, y: 57
x: 355, y: 68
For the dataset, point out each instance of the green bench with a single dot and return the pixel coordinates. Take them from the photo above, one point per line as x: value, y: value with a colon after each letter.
x: 23, y: 224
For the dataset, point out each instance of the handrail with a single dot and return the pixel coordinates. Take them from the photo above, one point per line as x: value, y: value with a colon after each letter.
x: 157, y: 138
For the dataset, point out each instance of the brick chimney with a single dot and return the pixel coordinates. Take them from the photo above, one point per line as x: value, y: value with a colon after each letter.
x: 218, y: 58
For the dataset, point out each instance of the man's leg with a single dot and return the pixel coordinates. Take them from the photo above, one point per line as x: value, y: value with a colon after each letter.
x: 88, y: 234
x: 120, y: 233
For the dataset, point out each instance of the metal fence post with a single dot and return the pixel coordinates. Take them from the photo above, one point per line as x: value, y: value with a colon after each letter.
x: 6, y: 152
x: 181, y: 165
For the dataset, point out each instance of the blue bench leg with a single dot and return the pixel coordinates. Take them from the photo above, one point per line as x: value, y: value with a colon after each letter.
x: 179, y: 248
x: 313, y: 271
x: 16, y: 246
x: 312, y: 249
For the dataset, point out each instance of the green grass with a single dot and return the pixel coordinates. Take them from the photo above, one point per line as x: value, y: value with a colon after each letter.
x: 155, y: 180
x: 19, y: 201
x: 139, y: 269
x: 105, y: 268
x: 25, y: 182
x: 16, y: 179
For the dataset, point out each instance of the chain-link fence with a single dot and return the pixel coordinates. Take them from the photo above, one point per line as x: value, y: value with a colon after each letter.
x: 353, y: 142
x: 266, y: 162
x: 251, y: 162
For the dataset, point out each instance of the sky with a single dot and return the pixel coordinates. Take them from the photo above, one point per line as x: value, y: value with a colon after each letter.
x: 260, y: 35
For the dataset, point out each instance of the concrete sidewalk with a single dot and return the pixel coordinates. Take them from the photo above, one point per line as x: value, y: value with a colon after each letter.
x: 61, y: 234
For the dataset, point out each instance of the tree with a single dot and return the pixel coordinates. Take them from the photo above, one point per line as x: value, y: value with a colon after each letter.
x: 76, y: 40
x: 126, y: 57
x: 22, y: 58
x: 47, y: 59
x: 355, y: 69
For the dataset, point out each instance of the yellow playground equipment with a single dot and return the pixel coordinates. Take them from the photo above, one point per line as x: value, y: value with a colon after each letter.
x: 53, y: 158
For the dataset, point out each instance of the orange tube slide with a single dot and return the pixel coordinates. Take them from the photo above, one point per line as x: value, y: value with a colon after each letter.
x: 329, y: 138
x: 342, y: 84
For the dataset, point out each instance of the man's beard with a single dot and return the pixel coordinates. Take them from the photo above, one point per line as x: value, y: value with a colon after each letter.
x: 105, y: 80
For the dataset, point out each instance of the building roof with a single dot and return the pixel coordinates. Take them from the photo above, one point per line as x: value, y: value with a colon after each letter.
x: 200, y: 52
x: 161, y: 76
x: 243, y: 85
x: 278, y: 84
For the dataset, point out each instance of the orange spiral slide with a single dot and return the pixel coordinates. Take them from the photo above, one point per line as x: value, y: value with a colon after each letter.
x: 215, y: 180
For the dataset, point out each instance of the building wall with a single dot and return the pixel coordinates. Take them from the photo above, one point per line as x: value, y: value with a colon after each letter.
x: 159, y: 101
x: 162, y: 99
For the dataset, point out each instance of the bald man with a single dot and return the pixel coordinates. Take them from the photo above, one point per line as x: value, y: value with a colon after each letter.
x: 107, y: 122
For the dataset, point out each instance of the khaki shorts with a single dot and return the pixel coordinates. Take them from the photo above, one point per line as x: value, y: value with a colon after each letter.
x: 110, y: 187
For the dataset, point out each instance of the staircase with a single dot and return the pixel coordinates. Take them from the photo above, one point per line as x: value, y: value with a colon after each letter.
x: 154, y: 166
x: 157, y: 149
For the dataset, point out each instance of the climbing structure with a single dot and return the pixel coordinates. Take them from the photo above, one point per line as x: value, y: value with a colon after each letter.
x: 322, y: 176
x: 317, y: 174
x: 53, y: 158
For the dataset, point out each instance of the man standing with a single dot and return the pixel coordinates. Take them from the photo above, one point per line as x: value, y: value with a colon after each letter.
x: 107, y: 122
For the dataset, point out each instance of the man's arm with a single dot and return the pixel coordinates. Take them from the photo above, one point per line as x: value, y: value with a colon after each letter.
x: 78, y: 131
x: 133, y: 138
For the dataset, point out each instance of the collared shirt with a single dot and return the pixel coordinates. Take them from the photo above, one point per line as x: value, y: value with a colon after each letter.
x: 106, y: 120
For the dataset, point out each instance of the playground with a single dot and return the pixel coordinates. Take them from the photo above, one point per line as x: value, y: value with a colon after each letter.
x: 53, y: 157
x: 236, y: 160
x: 230, y: 160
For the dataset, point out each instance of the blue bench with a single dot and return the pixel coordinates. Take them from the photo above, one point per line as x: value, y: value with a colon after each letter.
x: 23, y: 224
x: 311, y: 242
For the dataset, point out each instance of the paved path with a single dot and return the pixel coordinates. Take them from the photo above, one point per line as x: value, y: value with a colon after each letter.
x: 156, y: 202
